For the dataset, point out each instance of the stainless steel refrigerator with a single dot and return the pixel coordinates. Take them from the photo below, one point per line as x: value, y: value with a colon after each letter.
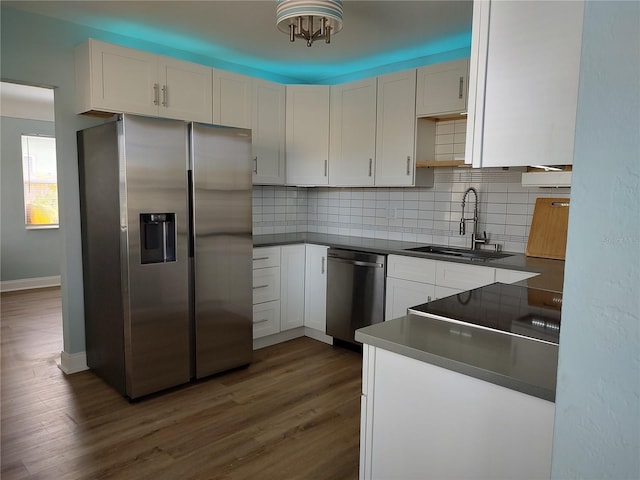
x: 166, y: 251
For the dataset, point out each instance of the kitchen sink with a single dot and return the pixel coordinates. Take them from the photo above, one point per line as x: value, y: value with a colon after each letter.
x: 462, y: 253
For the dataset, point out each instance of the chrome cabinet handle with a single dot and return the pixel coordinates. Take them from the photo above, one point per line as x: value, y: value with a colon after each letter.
x: 156, y: 94
x: 260, y: 286
x: 261, y: 258
x: 460, y: 88
x: 255, y: 162
x: 165, y: 96
x: 260, y: 321
x: 370, y: 166
x: 408, y: 165
x: 325, y: 168
x: 322, y: 267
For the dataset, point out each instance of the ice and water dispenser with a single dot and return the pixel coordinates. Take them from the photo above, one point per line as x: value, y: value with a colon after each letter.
x: 157, y: 237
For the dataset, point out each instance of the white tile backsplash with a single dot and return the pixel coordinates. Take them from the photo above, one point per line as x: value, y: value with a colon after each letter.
x: 425, y: 215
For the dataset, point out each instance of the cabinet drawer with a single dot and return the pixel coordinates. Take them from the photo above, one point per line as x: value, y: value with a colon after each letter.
x: 266, y: 319
x: 266, y: 284
x: 512, y: 276
x: 463, y: 277
x: 410, y: 268
x: 402, y: 294
x: 265, y: 257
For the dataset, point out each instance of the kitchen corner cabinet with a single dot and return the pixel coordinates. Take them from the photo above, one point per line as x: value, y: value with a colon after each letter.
x: 315, y: 291
x: 395, y: 129
x: 292, y: 286
x: 525, y: 62
x: 307, y: 135
x: 268, y: 130
x: 353, y: 133
x: 231, y: 99
x: 115, y: 79
x: 442, y: 88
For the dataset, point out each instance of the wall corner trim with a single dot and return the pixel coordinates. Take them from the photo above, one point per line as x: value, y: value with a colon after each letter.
x: 71, y: 363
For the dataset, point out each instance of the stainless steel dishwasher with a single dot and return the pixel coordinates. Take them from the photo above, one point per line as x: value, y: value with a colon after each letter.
x: 355, y: 292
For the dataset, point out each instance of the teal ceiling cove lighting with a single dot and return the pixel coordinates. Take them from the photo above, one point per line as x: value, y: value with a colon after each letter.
x: 298, y: 19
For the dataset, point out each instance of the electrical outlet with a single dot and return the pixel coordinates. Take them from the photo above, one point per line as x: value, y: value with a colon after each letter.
x: 392, y: 212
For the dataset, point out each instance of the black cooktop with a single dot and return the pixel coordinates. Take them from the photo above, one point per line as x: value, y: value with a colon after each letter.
x: 511, y: 309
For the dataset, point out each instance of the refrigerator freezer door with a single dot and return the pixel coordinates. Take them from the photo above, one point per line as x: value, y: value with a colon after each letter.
x: 154, y: 157
x: 221, y: 165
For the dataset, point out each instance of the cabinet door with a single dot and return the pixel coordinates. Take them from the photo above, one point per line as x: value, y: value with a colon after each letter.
x: 292, y: 275
x: 268, y: 124
x: 315, y: 292
x: 442, y: 88
x: 353, y: 133
x: 463, y: 277
x: 186, y: 93
x: 525, y: 61
x: 231, y: 99
x: 119, y: 79
x: 395, y: 130
x: 307, y: 134
x: 402, y: 294
x: 266, y: 319
x: 512, y: 276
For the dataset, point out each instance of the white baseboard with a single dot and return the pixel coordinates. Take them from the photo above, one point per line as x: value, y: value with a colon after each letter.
x: 278, y: 338
x: 73, y: 362
x: 29, y: 283
x: 287, y: 335
x: 318, y: 335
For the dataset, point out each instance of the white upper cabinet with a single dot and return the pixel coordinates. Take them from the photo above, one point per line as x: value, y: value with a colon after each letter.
x: 395, y: 131
x: 353, y: 133
x: 268, y: 127
x: 442, y: 88
x: 231, y: 99
x: 307, y: 134
x: 523, y: 82
x: 110, y: 78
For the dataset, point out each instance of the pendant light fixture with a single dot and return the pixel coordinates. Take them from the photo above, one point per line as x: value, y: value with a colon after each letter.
x: 312, y: 20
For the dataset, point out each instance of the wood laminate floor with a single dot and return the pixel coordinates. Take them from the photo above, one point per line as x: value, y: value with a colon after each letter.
x: 293, y: 414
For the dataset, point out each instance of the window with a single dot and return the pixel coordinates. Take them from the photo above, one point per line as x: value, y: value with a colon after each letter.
x: 40, y: 181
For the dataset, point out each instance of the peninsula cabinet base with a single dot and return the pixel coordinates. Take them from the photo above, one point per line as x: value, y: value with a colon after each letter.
x: 423, y: 421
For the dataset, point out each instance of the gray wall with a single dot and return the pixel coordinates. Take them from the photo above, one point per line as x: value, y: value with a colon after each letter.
x: 24, y: 253
x: 597, y: 428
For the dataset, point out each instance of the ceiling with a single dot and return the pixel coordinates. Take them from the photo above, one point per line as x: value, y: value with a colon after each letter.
x: 243, y: 33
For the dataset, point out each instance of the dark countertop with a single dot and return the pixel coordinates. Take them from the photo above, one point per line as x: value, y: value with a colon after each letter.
x: 514, y: 362
x: 551, y: 272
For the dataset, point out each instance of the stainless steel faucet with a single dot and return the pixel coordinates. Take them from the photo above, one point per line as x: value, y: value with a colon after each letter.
x: 476, y: 241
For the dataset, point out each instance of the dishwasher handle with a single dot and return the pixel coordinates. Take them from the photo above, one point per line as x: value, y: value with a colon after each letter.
x: 357, y: 263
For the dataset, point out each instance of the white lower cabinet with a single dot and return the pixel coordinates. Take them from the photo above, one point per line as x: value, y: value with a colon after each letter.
x: 266, y: 291
x: 462, y: 277
x: 266, y: 319
x: 412, y: 281
x: 315, y: 292
x: 289, y: 292
x: 423, y: 421
x: 402, y: 294
x: 292, y: 283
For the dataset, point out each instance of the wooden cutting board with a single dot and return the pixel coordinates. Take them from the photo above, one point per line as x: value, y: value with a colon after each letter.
x: 548, y: 234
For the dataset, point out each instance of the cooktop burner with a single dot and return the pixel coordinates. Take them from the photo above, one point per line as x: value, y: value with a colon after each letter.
x: 511, y: 309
